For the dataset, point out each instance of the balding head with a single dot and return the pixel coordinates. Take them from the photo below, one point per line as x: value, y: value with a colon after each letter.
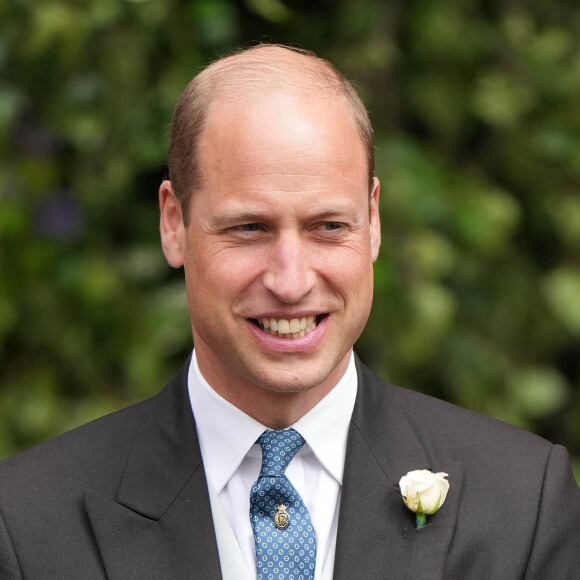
x: 245, y: 75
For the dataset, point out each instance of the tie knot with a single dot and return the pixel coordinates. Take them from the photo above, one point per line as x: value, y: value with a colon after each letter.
x: 278, y: 449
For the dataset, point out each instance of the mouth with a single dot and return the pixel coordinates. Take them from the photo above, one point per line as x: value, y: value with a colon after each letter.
x: 289, y: 328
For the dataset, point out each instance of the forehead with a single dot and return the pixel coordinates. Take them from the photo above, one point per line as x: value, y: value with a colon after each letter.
x: 281, y: 135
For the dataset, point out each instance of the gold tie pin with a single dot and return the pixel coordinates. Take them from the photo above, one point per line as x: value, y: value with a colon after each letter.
x: 282, y: 519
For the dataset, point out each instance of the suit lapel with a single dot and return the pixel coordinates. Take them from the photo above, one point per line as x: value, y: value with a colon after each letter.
x: 160, y: 523
x: 376, y: 532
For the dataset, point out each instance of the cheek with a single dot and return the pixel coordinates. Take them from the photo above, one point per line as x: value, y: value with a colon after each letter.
x: 348, y: 266
x: 217, y: 274
x: 356, y: 283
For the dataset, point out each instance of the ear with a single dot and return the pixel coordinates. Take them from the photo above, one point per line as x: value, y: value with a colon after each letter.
x: 375, y: 220
x: 171, y: 225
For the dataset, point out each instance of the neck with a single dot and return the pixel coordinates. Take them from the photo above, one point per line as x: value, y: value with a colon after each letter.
x: 280, y: 410
x: 272, y: 408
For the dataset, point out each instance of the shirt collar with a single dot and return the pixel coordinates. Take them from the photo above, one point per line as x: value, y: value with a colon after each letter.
x: 325, y: 426
x: 226, y: 434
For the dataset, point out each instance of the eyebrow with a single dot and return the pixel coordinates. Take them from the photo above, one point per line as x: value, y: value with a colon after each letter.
x: 228, y: 216
x: 245, y: 215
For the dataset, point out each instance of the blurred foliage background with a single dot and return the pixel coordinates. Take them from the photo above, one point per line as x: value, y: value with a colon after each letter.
x: 476, y: 107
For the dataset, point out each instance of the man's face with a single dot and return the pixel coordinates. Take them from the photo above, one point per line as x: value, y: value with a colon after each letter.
x: 280, y: 237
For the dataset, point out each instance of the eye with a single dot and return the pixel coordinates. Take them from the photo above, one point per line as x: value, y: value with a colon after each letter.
x: 332, y: 226
x: 331, y: 231
x: 249, y: 231
x: 249, y: 227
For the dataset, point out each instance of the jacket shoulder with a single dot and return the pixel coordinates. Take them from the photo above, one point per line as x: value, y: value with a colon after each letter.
x: 91, y: 453
x: 94, y: 454
x: 440, y: 426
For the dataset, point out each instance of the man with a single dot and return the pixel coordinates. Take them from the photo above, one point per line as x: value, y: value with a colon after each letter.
x: 272, y: 210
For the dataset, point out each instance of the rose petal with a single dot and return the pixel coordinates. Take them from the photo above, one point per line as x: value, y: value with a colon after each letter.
x: 424, y: 491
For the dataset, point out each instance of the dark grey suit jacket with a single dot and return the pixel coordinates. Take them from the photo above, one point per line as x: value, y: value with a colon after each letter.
x: 125, y: 497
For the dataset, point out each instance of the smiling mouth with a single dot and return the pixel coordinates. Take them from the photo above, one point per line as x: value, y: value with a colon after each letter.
x: 288, y: 327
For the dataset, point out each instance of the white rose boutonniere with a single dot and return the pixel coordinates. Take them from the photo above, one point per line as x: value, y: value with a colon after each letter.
x: 423, y: 493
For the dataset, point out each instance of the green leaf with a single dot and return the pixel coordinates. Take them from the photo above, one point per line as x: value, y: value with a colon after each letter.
x: 562, y: 291
x: 539, y: 391
x: 501, y: 100
x: 272, y: 10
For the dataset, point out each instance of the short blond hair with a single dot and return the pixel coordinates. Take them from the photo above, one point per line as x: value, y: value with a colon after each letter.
x: 259, y: 68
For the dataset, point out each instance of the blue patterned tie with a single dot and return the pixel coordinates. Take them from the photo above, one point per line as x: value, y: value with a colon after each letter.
x: 283, y: 532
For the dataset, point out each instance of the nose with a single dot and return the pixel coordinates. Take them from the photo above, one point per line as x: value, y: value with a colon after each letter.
x: 289, y: 274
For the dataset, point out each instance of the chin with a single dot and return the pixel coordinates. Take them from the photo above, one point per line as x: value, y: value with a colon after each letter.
x: 290, y: 381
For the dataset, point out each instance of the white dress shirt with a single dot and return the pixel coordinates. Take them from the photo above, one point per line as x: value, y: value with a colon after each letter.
x: 232, y: 460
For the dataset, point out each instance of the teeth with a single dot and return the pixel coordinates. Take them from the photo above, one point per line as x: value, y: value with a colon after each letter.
x: 288, y: 327
x: 283, y: 326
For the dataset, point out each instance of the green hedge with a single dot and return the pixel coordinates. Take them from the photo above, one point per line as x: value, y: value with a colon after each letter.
x: 476, y: 107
